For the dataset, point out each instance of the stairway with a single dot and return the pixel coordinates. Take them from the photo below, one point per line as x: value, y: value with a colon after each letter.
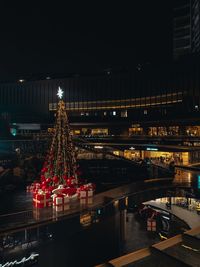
x: 179, y: 251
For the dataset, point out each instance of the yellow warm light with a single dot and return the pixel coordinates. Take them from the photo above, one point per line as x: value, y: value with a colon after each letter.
x: 121, y: 103
x: 126, y: 201
x: 85, y: 219
x: 116, y: 203
x: 116, y: 153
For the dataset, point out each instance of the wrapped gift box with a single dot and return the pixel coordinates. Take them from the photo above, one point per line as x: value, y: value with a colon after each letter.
x: 60, y: 200
x: 91, y: 186
x: 34, y: 186
x: 151, y: 225
x: 85, y: 193
x: 28, y: 188
x: 42, y: 199
x: 49, y: 189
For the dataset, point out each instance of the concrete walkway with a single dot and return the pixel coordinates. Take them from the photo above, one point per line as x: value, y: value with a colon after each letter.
x: 190, y: 217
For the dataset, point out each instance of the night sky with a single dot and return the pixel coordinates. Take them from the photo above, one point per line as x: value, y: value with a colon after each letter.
x: 60, y: 39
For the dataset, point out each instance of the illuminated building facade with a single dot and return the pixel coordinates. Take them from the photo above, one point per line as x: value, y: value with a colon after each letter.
x: 117, y: 98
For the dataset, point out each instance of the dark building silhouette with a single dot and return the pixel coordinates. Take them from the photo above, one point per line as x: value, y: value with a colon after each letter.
x: 186, y: 27
x: 4, y: 129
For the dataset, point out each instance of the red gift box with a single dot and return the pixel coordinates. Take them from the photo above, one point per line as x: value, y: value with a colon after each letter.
x: 34, y: 186
x: 42, y: 199
x: 151, y: 225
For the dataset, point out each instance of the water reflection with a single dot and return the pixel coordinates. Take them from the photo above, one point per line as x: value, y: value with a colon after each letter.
x: 186, y: 176
x: 96, y: 235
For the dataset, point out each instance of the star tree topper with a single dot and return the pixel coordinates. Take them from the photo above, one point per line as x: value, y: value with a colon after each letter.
x: 60, y: 93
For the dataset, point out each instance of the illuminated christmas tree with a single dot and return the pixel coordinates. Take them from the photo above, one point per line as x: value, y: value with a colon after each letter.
x: 59, y: 175
x: 60, y: 166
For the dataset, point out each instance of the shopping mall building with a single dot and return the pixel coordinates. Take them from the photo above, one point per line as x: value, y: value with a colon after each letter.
x: 155, y: 101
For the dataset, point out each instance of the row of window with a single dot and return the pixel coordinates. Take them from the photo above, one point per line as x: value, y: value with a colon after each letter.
x: 166, y: 131
x: 158, y: 100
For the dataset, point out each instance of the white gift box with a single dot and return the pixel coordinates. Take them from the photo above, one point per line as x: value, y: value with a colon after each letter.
x: 60, y: 200
x: 86, y: 194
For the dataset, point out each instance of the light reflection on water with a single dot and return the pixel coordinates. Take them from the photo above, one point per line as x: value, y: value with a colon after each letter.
x: 95, y: 242
x: 186, y: 176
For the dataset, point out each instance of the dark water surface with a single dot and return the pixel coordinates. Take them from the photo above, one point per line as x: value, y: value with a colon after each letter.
x: 87, y: 238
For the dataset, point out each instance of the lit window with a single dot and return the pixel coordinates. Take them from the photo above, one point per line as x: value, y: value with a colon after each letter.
x: 105, y: 113
x: 124, y: 114
x: 82, y: 114
x: 50, y: 106
x: 145, y: 112
x: 114, y: 113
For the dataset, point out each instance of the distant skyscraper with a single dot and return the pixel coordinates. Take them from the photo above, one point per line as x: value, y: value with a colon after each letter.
x: 195, y: 21
x: 186, y: 32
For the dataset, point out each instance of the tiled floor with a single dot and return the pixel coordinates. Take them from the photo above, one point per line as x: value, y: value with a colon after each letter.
x: 190, y: 217
x: 137, y: 236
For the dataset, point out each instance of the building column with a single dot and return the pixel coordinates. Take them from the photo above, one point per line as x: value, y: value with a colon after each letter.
x: 123, y: 225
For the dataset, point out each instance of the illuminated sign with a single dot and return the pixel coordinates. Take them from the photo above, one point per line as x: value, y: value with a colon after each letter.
x: 98, y: 211
x: 98, y: 147
x: 21, y: 262
x: 86, y: 219
x: 152, y: 149
x: 13, y: 131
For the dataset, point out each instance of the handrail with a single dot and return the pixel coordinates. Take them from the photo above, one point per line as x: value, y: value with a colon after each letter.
x: 29, y: 221
x: 14, y: 213
x: 143, y: 253
x: 130, y: 258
